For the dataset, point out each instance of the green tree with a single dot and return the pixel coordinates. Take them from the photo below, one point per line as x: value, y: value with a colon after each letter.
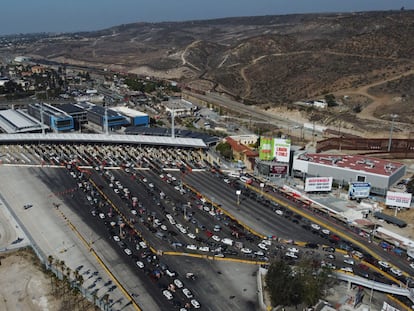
x: 224, y: 148
x: 295, y: 285
x: 277, y: 281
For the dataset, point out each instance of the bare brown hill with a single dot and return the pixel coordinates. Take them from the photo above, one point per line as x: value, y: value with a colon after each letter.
x: 269, y: 60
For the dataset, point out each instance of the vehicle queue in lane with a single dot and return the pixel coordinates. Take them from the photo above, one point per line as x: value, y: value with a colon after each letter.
x: 131, y: 244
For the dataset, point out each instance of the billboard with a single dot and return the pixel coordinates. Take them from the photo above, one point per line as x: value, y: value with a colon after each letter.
x: 266, y: 149
x: 399, y: 199
x: 278, y: 169
x: 359, y: 190
x: 282, y: 149
x: 318, y: 184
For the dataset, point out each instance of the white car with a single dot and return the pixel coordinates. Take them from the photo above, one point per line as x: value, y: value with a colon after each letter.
x: 181, y: 228
x: 246, y: 250
x: 227, y: 241
x: 128, y: 251
x: 163, y: 227
x: 134, y: 212
x: 262, y: 246
x: 326, y: 231
x: 259, y: 253
x: 384, y: 264
x: 266, y: 242
x: 178, y: 283
x: 215, y: 238
x: 143, y: 244
x: 187, y: 293
x: 291, y: 255
x: 116, y: 238
x: 191, y: 235
x: 226, y: 180
x: 315, y: 227
x: 396, y: 271
x: 140, y: 264
x: 101, y: 215
x: 412, y: 265
x: 195, y: 304
x: 167, y: 294
x: 192, y: 247
x: 204, y: 248
x: 349, y: 261
x: 347, y: 269
x: 293, y: 250
x: 279, y: 212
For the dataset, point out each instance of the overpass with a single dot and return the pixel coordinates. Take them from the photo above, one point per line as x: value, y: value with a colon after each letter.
x: 390, y: 289
x: 102, y: 138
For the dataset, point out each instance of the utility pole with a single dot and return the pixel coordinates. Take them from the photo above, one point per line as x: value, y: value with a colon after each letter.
x: 172, y: 124
x: 106, y: 125
x: 41, y: 119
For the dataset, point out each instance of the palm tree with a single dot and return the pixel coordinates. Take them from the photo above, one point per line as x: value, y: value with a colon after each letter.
x: 69, y: 274
x: 105, y: 298
x: 61, y: 267
x: 50, y: 260
x: 95, y: 297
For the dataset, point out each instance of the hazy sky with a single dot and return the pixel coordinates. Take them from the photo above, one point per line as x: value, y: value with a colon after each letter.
x: 27, y: 16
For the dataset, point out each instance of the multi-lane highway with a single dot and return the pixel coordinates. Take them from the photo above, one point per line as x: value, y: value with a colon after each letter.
x: 166, y: 217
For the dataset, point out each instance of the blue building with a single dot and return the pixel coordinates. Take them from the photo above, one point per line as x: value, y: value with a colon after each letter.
x: 55, y: 118
x: 97, y: 114
x: 136, y: 118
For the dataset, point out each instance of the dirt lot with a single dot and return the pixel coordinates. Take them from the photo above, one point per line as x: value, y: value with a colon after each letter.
x: 24, y: 285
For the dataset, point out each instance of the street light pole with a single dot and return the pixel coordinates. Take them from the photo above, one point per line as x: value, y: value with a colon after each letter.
x: 393, y: 116
x: 238, y: 192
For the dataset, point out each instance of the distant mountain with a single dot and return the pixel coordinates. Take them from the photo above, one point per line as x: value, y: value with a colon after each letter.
x: 266, y: 60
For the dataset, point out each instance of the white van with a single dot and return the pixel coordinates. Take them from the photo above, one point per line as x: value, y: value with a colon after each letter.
x: 227, y: 241
x: 234, y: 174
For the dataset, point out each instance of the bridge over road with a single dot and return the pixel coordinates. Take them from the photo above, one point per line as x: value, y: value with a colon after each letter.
x: 390, y: 289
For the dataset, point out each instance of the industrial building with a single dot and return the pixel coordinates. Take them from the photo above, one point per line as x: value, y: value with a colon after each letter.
x: 136, y: 118
x: 17, y: 121
x: 55, y: 118
x: 98, y: 115
x: 344, y: 169
x: 79, y: 115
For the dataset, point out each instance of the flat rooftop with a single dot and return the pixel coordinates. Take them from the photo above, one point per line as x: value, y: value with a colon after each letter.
x: 70, y: 108
x: 129, y: 112
x: 17, y: 121
x: 354, y: 162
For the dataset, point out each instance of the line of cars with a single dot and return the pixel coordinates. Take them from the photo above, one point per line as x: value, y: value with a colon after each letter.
x: 130, y: 243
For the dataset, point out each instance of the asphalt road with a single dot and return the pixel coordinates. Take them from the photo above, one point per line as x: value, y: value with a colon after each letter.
x: 254, y: 214
x: 254, y: 211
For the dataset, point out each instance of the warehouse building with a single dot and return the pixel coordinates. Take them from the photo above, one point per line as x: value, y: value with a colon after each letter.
x: 79, y: 115
x: 55, y: 118
x: 98, y: 114
x: 344, y: 169
x: 136, y: 118
x: 17, y: 121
